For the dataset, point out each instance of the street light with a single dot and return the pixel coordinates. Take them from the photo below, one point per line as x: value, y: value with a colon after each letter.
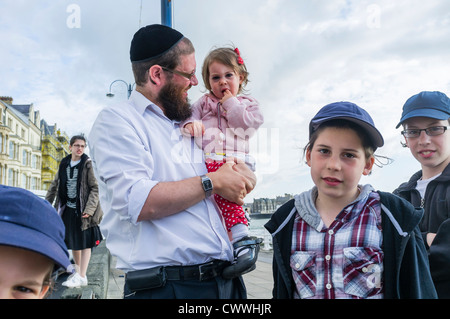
x: 129, y: 86
x: 166, y: 13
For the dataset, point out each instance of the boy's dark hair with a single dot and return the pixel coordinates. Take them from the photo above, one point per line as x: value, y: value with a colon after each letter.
x: 77, y: 137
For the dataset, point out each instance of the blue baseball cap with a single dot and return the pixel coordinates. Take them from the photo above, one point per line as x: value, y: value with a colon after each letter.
x: 30, y: 222
x: 435, y: 105
x: 350, y: 112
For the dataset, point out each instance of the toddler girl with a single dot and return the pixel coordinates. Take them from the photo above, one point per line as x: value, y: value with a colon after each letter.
x: 222, y: 122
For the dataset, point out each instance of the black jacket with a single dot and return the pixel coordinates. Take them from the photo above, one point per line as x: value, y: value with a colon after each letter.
x: 406, y: 269
x: 436, y: 220
x: 87, y: 191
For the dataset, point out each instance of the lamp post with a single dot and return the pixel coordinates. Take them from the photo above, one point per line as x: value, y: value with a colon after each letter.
x: 129, y: 87
x: 166, y: 13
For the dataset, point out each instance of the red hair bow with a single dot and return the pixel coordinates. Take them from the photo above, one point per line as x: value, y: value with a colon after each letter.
x: 239, y: 59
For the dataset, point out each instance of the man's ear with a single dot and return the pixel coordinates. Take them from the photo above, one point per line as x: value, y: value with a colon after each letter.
x: 154, y: 74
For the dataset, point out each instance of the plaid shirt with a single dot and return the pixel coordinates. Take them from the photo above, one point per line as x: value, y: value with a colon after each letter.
x: 344, y: 260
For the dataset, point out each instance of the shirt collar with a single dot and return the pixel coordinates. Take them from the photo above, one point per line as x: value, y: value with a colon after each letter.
x: 141, y: 103
x: 353, y: 209
x: 305, y: 205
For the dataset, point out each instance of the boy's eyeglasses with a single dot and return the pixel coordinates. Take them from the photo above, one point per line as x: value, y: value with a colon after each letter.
x: 188, y: 76
x: 431, y: 131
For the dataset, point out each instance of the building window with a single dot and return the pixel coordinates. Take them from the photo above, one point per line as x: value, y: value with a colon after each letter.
x: 24, y: 181
x: 34, y: 183
x: 11, y: 150
x: 33, y: 161
x: 10, y: 177
x: 24, y: 158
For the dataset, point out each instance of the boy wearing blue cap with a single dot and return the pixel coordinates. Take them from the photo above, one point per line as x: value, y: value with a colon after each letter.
x: 31, y: 244
x: 342, y: 240
x: 425, y: 120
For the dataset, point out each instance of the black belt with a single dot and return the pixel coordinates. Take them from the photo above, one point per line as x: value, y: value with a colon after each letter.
x: 157, y: 277
x: 200, y: 272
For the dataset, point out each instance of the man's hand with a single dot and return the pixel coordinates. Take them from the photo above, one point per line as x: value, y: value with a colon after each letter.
x: 245, y: 171
x: 233, y: 183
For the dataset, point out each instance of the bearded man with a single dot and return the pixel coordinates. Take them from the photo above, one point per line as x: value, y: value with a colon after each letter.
x: 160, y: 220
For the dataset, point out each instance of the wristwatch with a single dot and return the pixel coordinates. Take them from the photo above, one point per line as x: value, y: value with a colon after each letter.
x: 207, y: 185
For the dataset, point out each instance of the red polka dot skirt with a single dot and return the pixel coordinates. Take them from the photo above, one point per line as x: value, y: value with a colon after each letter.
x: 232, y: 213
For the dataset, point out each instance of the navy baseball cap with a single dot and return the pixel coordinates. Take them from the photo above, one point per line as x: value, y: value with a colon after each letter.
x: 432, y: 104
x: 30, y: 222
x: 350, y: 112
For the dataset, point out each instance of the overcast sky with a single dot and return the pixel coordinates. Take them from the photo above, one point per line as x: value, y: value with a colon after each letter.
x: 62, y: 56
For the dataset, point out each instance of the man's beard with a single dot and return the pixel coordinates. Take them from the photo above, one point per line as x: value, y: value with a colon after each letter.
x: 176, y: 106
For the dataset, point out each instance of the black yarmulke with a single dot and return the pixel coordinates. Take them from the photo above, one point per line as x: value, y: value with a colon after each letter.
x: 152, y: 41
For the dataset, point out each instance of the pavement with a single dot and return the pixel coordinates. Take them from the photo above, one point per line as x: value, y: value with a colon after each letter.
x: 97, y: 274
x: 106, y: 282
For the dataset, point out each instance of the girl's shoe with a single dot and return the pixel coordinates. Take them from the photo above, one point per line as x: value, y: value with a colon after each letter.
x: 244, y: 262
x: 75, y: 281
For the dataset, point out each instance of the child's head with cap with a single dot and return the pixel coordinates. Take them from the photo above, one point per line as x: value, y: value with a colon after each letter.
x: 343, y: 139
x: 431, y: 104
x: 30, y: 230
x: 350, y: 112
x: 426, y: 121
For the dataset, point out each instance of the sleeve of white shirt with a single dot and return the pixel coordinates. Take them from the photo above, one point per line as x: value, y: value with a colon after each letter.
x: 124, y: 164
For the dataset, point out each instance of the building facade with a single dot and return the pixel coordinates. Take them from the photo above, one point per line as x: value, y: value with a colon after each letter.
x: 268, y: 205
x: 55, y: 146
x: 20, y: 145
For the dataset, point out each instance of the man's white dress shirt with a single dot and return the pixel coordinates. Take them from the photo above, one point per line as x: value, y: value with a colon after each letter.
x: 134, y: 146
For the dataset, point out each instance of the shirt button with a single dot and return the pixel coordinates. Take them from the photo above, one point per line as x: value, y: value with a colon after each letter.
x: 330, y: 232
x: 297, y: 265
x: 328, y: 286
x: 327, y: 257
x: 364, y: 269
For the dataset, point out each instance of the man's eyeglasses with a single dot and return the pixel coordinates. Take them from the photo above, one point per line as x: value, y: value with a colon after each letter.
x: 431, y: 131
x: 189, y: 76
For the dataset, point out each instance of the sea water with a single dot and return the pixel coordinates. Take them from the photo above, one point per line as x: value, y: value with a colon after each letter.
x: 257, y: 229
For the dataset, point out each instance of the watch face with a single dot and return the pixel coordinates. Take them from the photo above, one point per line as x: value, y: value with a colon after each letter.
x: 207, y: 185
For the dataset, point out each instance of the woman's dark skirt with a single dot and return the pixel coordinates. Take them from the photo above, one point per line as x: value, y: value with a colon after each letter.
x: 77, y: 239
